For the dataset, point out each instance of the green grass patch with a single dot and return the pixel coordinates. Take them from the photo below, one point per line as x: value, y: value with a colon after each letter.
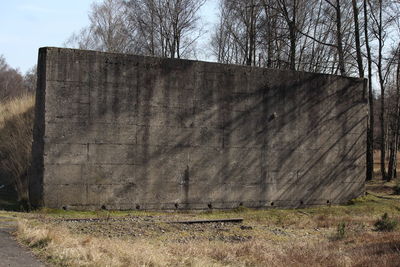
x: 59, y: 213
x: 385, y: 224
x: 364, y: 210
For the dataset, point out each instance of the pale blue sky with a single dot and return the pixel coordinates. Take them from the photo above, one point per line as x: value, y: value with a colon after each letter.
x: 27, y: 25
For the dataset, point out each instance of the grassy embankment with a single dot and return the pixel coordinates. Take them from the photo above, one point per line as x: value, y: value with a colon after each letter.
x: 16, y: 123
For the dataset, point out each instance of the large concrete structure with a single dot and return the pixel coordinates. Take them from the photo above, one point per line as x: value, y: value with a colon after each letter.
x: 131, y: 132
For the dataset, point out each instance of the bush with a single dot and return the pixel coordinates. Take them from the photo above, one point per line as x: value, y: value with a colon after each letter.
x: 397, y: 189
x: 341, y: 230
x: 16, y: 123
x: 385, y: 224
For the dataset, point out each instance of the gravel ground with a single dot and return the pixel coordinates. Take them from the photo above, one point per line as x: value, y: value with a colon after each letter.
x: 166, y: 228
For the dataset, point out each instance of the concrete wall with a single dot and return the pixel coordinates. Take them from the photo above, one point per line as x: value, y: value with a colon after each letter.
x: 125, y: 132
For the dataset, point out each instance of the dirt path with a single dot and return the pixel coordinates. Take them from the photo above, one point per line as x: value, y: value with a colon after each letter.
x: 11, y: 253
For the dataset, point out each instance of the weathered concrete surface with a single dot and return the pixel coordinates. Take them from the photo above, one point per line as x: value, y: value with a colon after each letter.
x: 124, y: 132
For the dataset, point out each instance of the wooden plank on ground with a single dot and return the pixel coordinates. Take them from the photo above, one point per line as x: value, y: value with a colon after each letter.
x: 234, y: 220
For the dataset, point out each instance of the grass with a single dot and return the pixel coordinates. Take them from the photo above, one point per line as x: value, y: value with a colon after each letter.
x: 274, y: 237
x: 385, y: 224
x: 396, y: 189
x: 16, y: 123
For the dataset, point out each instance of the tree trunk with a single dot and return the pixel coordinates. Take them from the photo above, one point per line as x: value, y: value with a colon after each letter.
x: 358, y: 45
x: 371, y: 121
x: 292, y: 28
x: 382, y: 85
x: 342, y: 67
x: 292, y: 46
x: 394, y: 144
x: 392, y: 156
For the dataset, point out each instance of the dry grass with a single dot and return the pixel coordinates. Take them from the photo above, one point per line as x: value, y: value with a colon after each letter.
x: 306, y: 237
x: 60, y: 247
x: 16, y: 123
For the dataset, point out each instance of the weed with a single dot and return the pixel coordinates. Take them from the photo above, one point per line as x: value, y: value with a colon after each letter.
x: 40, y: 243
x: 340, y: 232
x: 241, y: 209
x: 385, y: 224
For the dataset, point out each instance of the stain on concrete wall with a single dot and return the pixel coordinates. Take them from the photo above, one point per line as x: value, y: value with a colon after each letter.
x: 131, y: 132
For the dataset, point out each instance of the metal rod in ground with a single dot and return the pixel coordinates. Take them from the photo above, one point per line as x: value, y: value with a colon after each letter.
x: 235, y: 220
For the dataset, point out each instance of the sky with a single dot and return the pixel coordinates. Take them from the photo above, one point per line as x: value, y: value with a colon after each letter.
x: 27, y: 25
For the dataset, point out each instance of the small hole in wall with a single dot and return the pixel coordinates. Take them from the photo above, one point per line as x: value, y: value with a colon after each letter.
x: 64, y: 208
x: 272, y: 117
x: 209, y: 205
x: 138, y: 207
x: 103, y: 207
x: 328, y: 202
x: 301, y: 202
x: 241, y: 204
x: 176, y: 205
x: 272, y: 204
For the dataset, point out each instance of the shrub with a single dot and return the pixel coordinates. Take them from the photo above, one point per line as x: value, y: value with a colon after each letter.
x: 340, y: 232
x: 385, y: 224
x: 397, y: 189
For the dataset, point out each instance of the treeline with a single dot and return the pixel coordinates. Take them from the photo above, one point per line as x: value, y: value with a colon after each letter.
x: 151, y: 27
x: 358, y: 38
x: 13, y: 83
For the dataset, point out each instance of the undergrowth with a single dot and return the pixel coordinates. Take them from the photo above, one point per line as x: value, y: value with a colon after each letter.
x: 16, y: 123
x: 385, y: 224
x: 396, y: 189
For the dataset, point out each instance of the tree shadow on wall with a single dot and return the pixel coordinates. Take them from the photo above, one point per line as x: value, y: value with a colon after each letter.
x: 212, y: 139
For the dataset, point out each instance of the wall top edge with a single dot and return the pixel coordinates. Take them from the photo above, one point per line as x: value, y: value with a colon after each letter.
x: 47, y: 49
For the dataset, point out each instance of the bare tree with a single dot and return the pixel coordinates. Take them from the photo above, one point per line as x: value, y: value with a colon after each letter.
x: 11, y: 81
x: 380, y: 26
x: 108, y: 29
x: 30, y: 78
x: 269, y: 36
x: 289, y: 13
x: 236, y: 36
x: 379, y: 35
x: 395, y: 121
x: 260, y: 32
x: 371, y: 114
x: 223, y: 46
x: 357, y: 39
x: 167, y: 28
x: 339, y: 40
